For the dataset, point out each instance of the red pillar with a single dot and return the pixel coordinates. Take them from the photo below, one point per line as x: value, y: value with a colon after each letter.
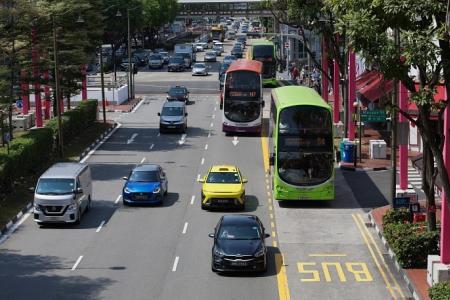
x: 403, y: 149
x: 83, y: 83
x: 351, y: 93
x: 325, y: 70
x: 24, y: 88
x: 336, y: 106
x: 36, y: 74
x: 47, y: 95
x: 445, y: 213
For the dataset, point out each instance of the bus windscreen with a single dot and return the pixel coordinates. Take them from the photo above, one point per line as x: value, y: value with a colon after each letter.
x: 263, y: 51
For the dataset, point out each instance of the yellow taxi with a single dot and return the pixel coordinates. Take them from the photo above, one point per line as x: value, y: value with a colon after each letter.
x: 222, y: 187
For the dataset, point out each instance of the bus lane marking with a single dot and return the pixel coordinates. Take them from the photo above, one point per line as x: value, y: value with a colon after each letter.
x: 375, y: 259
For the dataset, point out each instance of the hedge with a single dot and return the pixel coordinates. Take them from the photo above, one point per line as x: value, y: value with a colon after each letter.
x: 439, y: 291
x: 75, y: 121
x: 411, y: 243
x: 396, y: 216
x: 26, y: 154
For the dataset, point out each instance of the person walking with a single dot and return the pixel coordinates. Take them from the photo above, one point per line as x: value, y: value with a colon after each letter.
x: 295, y: 75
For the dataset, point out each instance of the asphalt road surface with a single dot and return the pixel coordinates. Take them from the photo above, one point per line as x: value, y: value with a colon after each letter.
x: 316, y: 251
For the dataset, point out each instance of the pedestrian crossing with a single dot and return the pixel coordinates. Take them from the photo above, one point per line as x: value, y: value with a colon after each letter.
x: 415, y: 179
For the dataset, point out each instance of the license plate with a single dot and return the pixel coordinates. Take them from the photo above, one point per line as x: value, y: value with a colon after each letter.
x: 223, y: 200
x: 304, y: 198
x: 141, y: 197
x: 239, y: 263
x: 53, y: 218
x: 170, y: 126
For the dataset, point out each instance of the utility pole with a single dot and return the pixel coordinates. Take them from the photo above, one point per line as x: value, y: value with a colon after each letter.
x: 394, y: 125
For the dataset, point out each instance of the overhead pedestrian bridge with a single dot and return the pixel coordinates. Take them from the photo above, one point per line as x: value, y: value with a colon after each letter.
x: 226, y: 8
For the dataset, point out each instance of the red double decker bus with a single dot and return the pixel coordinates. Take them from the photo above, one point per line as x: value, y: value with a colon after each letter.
x: 242, y: 97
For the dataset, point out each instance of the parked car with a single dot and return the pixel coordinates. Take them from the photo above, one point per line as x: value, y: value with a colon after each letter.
x: 176, y: 63
x: 178, y: 93
x: 63, y: 194
x: 155, y: 61
x: 146, y: 184
x: 199, y: 69
x: 165, y: 56
x: 210, y: 56
x: 239, y: 244
x: 229, y: 59
x: 173, y: 117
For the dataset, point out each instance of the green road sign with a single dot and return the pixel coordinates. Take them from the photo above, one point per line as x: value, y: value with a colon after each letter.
x: 373, y: 116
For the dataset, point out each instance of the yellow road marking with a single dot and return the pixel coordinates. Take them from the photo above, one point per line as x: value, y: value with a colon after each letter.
x: 274, y: 243
x: 270, y: 200
x: 270, y: 207
x: 327, y: 255
x: 272, y: 224
x: 274, y: 234
x: 271, y: 216
x: 397, y: 286
x: 268, y: 194
x: 283, y: 289
x: 363, y: 234
x: 265, y: 150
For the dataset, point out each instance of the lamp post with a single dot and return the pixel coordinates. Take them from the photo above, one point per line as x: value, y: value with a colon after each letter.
x: 102, y: 79
x: 357, y: 106
x: 57, y: 87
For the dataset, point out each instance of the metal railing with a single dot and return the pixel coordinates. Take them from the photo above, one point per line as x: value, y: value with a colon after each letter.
x: 95, y: 81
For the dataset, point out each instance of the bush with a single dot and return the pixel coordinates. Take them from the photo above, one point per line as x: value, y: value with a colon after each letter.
x: 411, y: 243
x: 439, y: 291
x: 27, y: 154
x: 396, y: 216
x: 75, y: 121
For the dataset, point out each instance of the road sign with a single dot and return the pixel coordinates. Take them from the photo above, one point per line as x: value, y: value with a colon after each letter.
x: 400, y: 202
x: 19, y: 103
x: 372, y: 116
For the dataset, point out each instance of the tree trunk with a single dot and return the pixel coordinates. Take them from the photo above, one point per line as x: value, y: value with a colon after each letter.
x: 68, y: 101
x: 428, y: 185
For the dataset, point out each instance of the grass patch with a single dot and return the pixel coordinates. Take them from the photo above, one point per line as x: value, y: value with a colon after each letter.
x: 12, y: 203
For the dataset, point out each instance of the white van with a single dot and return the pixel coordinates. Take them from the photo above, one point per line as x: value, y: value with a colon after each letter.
x: 63, y: 193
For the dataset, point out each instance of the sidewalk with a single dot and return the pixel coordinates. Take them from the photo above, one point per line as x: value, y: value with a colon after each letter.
x: 415, y: 278
x: 126, y: 106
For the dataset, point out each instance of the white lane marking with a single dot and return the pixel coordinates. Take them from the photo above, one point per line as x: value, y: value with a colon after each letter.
x: 206, y: 147
x: 213, y: 116
x: 5, y: 236
x: 175, y: 264
x: 151, y: 146
x: 185, y: 227
x: 209, y: 134
x: 158, y: 134
x: 118, y: 199
x: 215, y: 108
x: 77, y: 262
x: 217, y: 102
x: 142, y: 160
x: 137, y: 106
x: 101, y: 143
x: 203, y: 161
x: 212, y: 124
x: 192, y: 199
x: 183, y: 139
x: 131, y: 139
x: 100, y: 226
x: 235, y: 141
x: 198, y: 176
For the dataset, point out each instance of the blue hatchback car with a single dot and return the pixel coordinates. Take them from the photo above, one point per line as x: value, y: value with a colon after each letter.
x: 146, y: 184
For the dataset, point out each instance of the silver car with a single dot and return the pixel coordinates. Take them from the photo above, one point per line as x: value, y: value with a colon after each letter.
x: 200, y: 69
x: 155, y: 61
x: 210, y: 56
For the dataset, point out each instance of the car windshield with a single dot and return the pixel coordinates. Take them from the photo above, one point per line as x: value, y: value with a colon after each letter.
x: 171, y: 111
x: 239, y: 232
x: 55, y: 186
x: 164, y: 53
x: 223, y: 177
x: 177, y: 91
x: 210, y: 53
x: 155, y: 57
x: 199, y: 66
x: 143, y: 176
x: 176, y: 60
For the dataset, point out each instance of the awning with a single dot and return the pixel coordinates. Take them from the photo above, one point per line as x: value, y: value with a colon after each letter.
x: 365, y: 78
x: 372, y: 85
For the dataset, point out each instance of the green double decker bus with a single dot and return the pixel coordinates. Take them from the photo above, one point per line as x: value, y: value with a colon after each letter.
x: 301, y: 145
x: 265, y: 52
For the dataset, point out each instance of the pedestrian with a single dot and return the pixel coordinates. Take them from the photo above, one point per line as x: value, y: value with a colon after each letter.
x: 295, y: 74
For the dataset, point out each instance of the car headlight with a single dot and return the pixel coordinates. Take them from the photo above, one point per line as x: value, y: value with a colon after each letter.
x: 126, y: 190
x: 260, y: 252
x: 37, y: 207
x: 157, y: 190
x: 218, y: 252
x: 72, y: 206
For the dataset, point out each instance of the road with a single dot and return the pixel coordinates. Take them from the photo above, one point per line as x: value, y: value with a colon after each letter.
x: 164, y: 252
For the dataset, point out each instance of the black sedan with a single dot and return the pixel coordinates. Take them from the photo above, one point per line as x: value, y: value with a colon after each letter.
x: 237, y: 52
x: 178, y: 93
x: 239, y: 244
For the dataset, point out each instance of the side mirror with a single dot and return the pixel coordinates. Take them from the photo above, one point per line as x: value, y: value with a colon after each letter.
x: 79, y: 191
x: 159, y: 114
x: 266, y: 235
x: 125, y: 178
x: 201, y: 180
x: 211, y: 235
x: 244, y: 180
x: 31, y: 189
x: 272, y: 159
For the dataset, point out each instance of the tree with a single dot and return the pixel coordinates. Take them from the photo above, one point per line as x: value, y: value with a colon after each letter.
x: 424, y: 47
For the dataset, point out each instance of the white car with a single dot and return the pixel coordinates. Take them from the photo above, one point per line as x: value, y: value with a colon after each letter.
x: 210, y: 56
x: 200, y: 69
x: 199, y: 47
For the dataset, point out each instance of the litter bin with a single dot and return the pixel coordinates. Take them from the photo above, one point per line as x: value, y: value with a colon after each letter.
x: 347, y: 151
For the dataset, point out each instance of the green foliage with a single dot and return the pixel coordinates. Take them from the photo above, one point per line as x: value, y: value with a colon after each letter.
x: 394, y: 216
x: 75, y: 121
x: 27, y: 154
x: 411, y: 243
x: 439, y: 291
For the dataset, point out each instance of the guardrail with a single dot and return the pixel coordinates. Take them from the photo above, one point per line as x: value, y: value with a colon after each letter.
x: 95, y: 81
